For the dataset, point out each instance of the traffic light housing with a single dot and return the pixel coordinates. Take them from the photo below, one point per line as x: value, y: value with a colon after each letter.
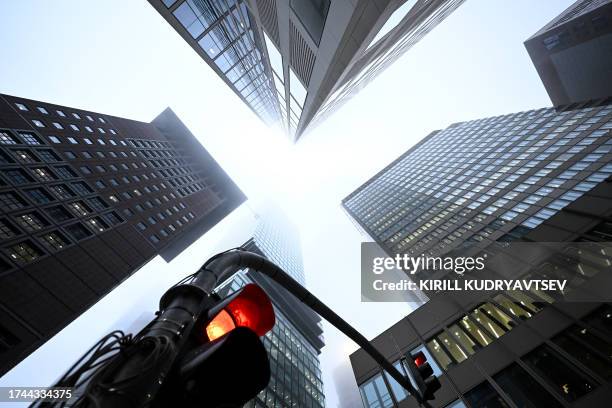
x: 422, y: 373
x: 223, y: 362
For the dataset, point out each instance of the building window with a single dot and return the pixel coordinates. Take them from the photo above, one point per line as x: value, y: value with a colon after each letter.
x: 24, y: 252
x: 588, y: 348
x: 567, y: 380
x: 38, y: 123
x: 48, y: 156
x: 97, y: 203
x: 65, y: 172
x: 89, y: 129
x: 17, y: 176
x: 59, y: 214
x: 62, y: 191
x: 70, y: 155
x: 87, y: 141
x: 42, y: 110
x: 24, y: 156
x: 375, y: 393
x: 58, y: 125
x: 39, y: 196
x: 82, y: 188
x: 78, y: 231
x: 74, y: 127
x: 43, y: 174
x: 79, y: 209
x: 523, y: 389
x: 154, y: 239
x: 54, y: 139
x: 112, y: 218
x: 5, y: 159
x: 72, y: 140
x: 128, y: 212
x: 601, y: 319
x: 96, y: 224
x: 100, y: 184
x: 7, y: 139
x: 21, y: 107
x: 61, y: 113
x: 30, y: 222
x: 6, y: 230
x: 10, y: 201
x: 76, y: 115
x: 29, y: 138
x: 54, y: 241
x: 484, y: 396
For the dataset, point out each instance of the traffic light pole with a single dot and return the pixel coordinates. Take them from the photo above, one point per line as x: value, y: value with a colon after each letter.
x: 138, y: 373
x: 226, y: 264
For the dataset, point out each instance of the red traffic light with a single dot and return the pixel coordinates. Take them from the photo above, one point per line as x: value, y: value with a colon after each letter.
x: 250, y: 307
x: 419, y: 359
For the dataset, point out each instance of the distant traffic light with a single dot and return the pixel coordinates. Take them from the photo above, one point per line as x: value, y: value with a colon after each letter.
x: 422, y: 373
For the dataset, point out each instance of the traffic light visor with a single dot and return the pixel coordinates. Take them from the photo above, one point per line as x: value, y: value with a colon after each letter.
x: 250, y: 307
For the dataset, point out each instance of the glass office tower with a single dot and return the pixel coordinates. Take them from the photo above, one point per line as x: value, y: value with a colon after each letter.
x: 481, y: 180
x: 296, y: 340
x: 536, y: 176
x: 86, y: 199
x: 294, y: 62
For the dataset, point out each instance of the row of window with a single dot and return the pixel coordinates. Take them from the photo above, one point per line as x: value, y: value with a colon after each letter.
x: 20, y: 137
x: 570, y: 365
x: 59, y: 126
x: 22, y: 107
x: 474, y: 163
x: 30, y: 250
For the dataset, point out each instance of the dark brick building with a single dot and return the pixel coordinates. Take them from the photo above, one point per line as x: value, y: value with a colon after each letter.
x: 86, y: 199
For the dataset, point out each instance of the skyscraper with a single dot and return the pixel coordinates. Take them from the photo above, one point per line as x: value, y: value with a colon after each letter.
x: 573, y: 53
x: 295, y: 342
x: 541, y: 175
x: 294, y: 62
x: 485, y: 179
x: 85, y: 200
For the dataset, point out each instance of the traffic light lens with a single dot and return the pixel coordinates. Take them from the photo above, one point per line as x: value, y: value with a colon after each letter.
x: 250, y: 307
x: 221, y: 324
x: 420, y: 359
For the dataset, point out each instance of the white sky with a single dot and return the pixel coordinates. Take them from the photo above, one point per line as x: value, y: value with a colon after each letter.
x: 121, y: 58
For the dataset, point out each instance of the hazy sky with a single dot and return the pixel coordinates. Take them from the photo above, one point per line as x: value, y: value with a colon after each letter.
x: 121, y: 58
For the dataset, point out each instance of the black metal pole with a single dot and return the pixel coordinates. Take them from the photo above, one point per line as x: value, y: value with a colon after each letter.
x: 133, y: 376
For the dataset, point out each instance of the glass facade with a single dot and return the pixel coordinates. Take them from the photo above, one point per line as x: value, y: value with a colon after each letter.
x: 294, y: 362
x: 294, y: 61
x: 479, y: 180
x: 223, y: 30
x: 566, y: 367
